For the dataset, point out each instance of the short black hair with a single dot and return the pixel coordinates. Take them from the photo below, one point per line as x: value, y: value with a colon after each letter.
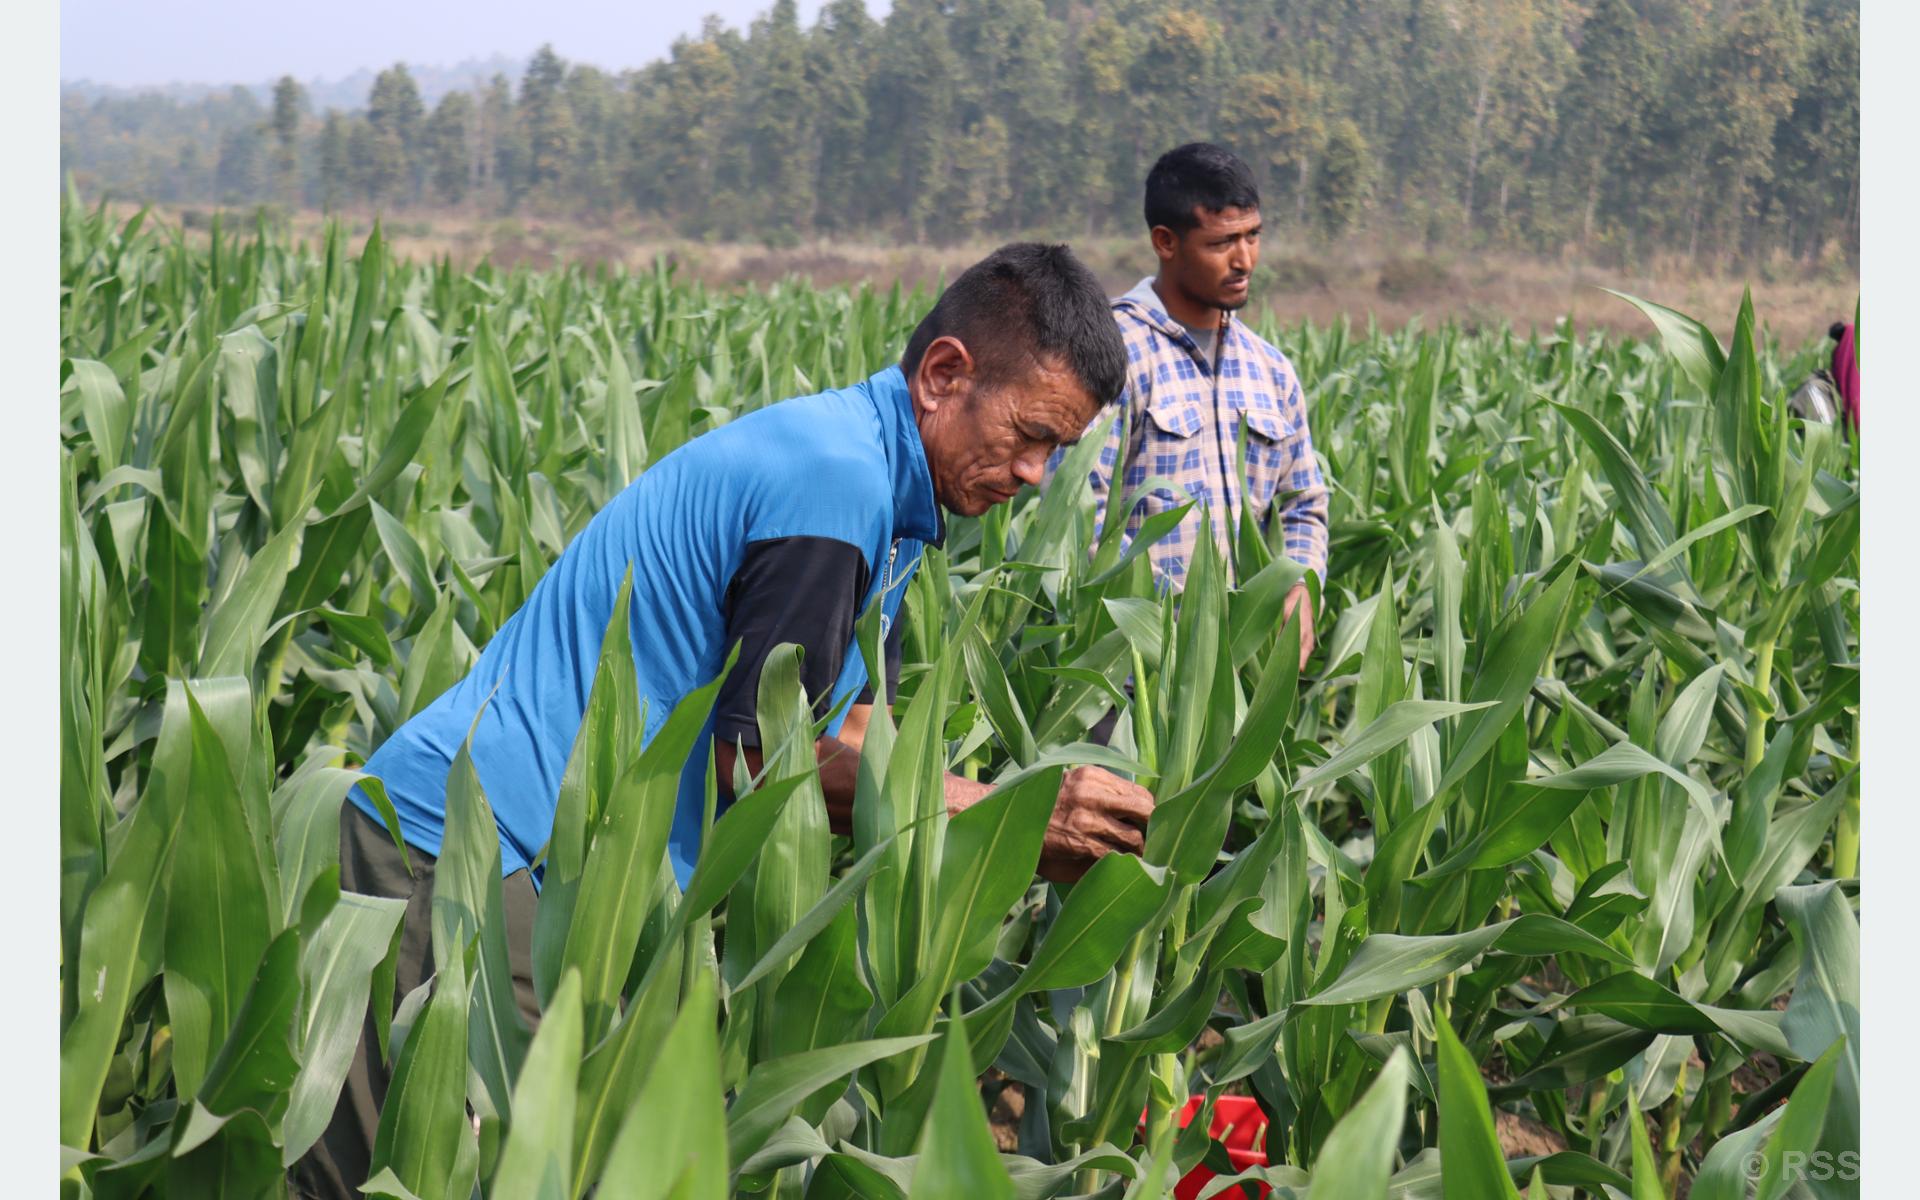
x: 1197, y: 175
x: 1837, y: 330
x: 1023, y: 303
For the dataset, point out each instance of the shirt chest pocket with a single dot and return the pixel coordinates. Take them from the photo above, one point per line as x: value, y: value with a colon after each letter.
x: 1270, y: 439
x: 1171, y: 448
x: 1175, y: 419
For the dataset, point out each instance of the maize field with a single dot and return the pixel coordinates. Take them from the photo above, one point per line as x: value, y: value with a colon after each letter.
x: 1558, y: 828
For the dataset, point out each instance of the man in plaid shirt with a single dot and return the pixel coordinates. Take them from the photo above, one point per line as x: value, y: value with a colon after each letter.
x: 1195, y: 375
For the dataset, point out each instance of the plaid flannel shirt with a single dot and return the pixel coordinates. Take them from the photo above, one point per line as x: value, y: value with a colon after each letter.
x: 1181, y: 420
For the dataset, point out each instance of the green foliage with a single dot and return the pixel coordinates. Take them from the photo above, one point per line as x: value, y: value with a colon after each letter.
x: 1556, y: 806
x: 1618, y: 129
x: 1344, y: 182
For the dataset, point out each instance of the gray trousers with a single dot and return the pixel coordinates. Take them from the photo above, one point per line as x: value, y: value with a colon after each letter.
x: 371, y: 865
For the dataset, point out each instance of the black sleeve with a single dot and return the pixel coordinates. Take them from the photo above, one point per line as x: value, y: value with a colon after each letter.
x: 793, y: 589
x: 891, y: 653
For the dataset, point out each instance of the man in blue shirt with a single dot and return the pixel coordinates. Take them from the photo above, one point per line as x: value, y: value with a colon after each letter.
x: 780, y: 526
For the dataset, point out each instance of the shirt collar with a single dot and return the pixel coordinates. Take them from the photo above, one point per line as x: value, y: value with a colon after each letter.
x: 1147, y: 305
x: 916, y: 514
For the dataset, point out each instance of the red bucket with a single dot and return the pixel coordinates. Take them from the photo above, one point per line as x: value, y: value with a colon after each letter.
x: 1243, y: 1113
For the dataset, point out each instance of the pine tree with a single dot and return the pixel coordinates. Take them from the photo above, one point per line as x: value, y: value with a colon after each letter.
x: 690, y: 157
x: 1816, y: 165
x: 1104, y: 176
x: 334, y: 168
x: 982, y: 187
x: 364, y: 162
x: 1602, y: 109
x: 596, y: 109
x: 1017, y: 77
x: 1344, y: 180
x: 447, y: 155
x: 838, y: 54
x: 1507, y: 54
x: 780, y: 137
x: 1174, y: 85
x: 1754, y: 68
x: 396, y: 121
x: 241, y: 173
x: 1277, y: 121
x: 914, y: 86
x: 289, y: 99
x: 548, y: 121
x: 1521, y: 125
x: 500, y: 154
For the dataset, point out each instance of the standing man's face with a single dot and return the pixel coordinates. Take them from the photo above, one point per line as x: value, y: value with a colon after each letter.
x: 983, y: 444
x: 1211, y: 265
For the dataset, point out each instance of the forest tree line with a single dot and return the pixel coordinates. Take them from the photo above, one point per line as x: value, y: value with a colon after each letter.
x: 1723, y: 130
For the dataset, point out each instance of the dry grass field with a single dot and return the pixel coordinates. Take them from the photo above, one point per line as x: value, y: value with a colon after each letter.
x: 1391, y: 284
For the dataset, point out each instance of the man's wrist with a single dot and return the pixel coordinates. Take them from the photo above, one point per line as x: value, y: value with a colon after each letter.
x: 963, y: 793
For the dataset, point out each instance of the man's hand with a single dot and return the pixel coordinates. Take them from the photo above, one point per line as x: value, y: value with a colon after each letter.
x: 1298, y: 599
x: 1096, y: 814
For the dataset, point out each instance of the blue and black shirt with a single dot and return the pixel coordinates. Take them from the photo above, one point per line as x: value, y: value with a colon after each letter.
x: 780, y: 526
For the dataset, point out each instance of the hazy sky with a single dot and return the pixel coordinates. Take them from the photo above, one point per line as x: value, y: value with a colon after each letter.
x: 238, y: 41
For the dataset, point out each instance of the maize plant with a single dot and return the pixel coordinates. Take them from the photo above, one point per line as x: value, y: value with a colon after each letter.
x: 1557, y: 829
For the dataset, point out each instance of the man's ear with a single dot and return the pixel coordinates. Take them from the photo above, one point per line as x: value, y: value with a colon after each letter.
x: 945, y: 374
x: 1166, y: 243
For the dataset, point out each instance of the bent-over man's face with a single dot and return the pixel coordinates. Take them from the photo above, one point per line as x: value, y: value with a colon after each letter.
x: 983, y: 443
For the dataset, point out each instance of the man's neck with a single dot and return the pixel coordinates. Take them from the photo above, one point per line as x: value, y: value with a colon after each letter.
x: 1183, y: 310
